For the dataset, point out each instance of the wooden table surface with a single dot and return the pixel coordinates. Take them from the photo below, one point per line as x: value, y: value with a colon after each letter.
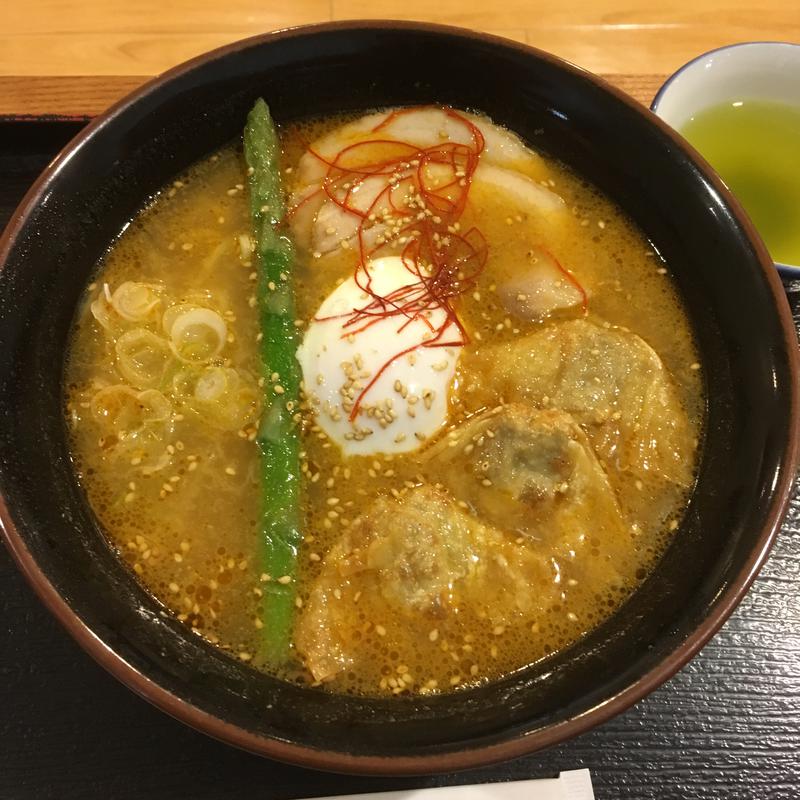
x: 75, y: 57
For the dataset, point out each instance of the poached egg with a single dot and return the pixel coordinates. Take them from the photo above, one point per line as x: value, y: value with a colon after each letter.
x: 365, y: 396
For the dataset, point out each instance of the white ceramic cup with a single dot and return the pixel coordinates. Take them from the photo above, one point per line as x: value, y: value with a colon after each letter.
x: 753, y: 70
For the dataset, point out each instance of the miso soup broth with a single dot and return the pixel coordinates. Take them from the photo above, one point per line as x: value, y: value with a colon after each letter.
x: 499, y: 418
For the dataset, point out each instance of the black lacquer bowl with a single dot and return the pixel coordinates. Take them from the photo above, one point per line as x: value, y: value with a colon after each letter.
x: 733, y: 296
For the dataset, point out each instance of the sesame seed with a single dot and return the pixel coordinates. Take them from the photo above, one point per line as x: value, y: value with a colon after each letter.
x: 380, y: 630
x: 284, y: 579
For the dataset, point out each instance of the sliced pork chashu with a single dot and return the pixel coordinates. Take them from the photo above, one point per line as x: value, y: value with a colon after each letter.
x: 507, y: 168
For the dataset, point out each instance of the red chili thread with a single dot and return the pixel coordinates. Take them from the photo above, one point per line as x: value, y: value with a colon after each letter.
x: 444, y: 262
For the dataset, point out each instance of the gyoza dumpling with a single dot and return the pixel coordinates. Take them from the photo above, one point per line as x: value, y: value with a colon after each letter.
x: 610, y: 380
x: 547, y: 522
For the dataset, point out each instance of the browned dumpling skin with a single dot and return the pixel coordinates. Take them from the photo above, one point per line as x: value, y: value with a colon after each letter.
x: 529, y: 472
x: 421, y: 558
x: 610, y: 380
x: 413, y: 559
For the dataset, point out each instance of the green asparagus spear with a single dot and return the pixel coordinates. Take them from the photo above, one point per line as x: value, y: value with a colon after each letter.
x: 278, y: 437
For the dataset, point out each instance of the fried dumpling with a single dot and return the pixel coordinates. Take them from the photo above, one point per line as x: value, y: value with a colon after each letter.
x: 610, y: 380
x: 529, y: 472
x: 526, y: 514
x: 416, y: 560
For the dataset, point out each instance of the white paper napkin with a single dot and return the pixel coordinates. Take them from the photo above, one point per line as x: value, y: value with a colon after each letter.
x: 573, y: 785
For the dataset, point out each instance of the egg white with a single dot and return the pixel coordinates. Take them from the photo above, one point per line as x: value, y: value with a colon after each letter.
x: 409, y: 400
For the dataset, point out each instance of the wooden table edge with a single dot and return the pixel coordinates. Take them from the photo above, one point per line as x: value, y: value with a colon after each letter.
x: 83, y: 96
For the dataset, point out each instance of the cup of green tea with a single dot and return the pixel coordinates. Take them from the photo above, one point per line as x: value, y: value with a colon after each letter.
x: 739, y: 106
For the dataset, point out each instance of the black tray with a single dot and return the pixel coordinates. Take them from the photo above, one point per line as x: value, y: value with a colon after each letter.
x: 727, y: 726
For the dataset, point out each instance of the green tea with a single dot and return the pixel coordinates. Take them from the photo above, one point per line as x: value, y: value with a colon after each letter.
x: 755, y: 147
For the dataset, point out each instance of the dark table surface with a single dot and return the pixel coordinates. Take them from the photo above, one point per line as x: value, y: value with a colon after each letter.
x: 727, y: 726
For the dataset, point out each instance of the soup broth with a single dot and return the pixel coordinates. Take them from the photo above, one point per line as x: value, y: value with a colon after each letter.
x: 515, y: 527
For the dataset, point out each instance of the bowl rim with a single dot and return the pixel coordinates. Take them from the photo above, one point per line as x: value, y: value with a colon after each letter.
x: 788, y: 270
x: 470, y: 757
